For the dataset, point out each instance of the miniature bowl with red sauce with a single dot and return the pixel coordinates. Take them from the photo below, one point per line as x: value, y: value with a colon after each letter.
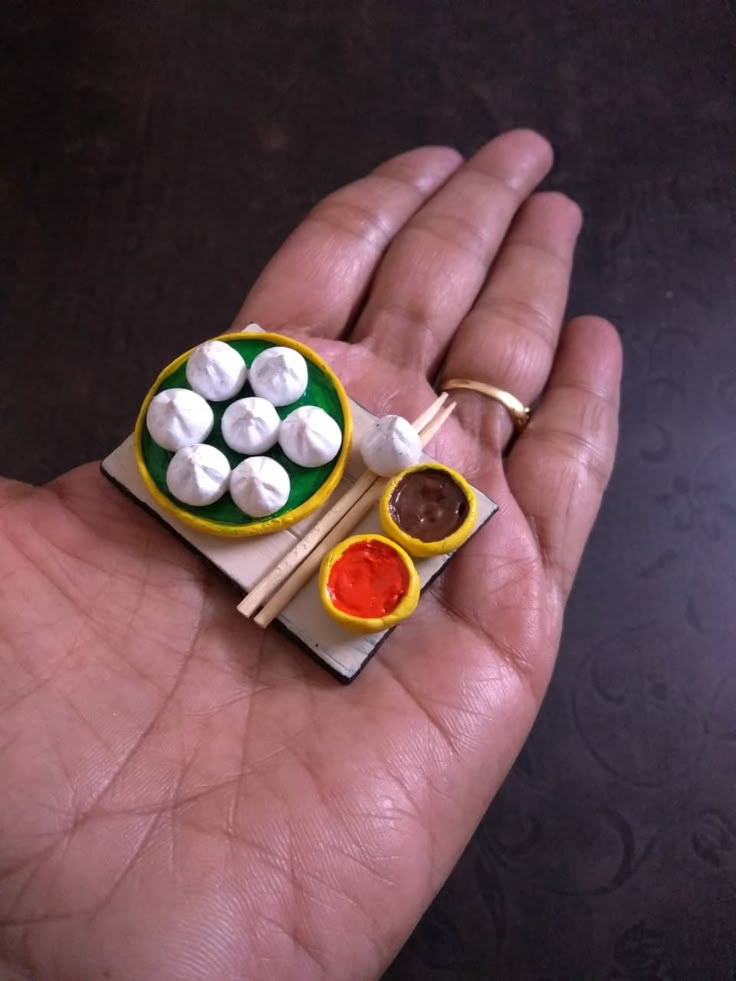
x: 368, y: 583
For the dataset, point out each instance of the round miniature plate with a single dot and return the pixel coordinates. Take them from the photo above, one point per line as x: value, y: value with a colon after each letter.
x: 310, y: 486
x: 416, y: 546
x: 371, y: 583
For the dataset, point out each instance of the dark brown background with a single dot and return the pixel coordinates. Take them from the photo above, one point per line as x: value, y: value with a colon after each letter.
x: 155, y: 154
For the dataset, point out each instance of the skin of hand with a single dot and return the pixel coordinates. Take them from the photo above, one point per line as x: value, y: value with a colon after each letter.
x: 185, y: 796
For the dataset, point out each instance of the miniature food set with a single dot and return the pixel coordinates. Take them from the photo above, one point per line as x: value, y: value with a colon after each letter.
x: 331, y: 520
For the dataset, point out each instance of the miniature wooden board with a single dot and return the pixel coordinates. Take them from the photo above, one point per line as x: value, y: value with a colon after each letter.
x: 246, y: 560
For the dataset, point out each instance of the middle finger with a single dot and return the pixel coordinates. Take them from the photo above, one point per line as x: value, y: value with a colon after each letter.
x: 438, y: 263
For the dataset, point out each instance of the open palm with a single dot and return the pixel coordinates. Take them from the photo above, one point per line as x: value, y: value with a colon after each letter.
x: 186, y: 796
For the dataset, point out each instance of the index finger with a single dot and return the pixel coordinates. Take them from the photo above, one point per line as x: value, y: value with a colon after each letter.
x: 320, y: 274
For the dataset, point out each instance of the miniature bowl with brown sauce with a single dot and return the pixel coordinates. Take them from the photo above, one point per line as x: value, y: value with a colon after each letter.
x: 428, y: 509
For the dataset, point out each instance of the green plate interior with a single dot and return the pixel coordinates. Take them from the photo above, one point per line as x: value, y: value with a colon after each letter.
x: 305, y: 481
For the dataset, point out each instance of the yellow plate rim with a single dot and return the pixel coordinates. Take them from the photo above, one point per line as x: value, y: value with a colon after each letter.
x: 269, y: 525
x: 415, y: 546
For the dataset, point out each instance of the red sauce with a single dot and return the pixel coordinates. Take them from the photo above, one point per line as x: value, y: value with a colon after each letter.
x: 368, y: 580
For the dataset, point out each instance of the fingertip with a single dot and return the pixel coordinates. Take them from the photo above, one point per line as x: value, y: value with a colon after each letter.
x: 426, y: 167
x: 517, y: 155
x: 599, y: 329
x: 563, y: 207
x: 442, y: 151
x: 554, y: 214
x: 532, y: 141
x: 590, y: 346
x: 593, y: 322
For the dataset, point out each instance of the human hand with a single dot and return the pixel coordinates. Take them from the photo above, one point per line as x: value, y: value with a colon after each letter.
x: 184, y: 796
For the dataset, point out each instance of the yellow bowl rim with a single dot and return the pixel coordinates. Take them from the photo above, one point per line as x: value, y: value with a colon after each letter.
x: 404, y: 608
x: 268, y: 525
x: 415, y: 546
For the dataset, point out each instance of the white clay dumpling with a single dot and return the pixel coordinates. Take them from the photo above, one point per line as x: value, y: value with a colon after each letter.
x: 250, y: 425
x: 310, y: 437
x: 280, y: 375
x: 390, y: 446
x: 216, y: 371
x: 178, y: 417
x: 198, y: 475
x: 260, y: 486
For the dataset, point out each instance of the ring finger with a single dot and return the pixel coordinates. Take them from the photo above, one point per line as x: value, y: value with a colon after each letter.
x: 509, y: 338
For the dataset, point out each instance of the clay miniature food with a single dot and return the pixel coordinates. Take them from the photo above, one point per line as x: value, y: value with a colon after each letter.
x: 429, y: 509
x: 245, y: 425
x: 390, y: 445
x: 428, y: 505
x: 250, y: 425
x: 279, y: 375
x: 310, y: 437
x: 259, y: 486
x: 368, y: 583
x: 179, y: 417
x: 224, y: 484
x: 216, y: 371
x: 198, y: 475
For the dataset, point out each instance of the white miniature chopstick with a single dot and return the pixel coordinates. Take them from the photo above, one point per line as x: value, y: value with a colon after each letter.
x: 283, y: 569
x: 299, y: 571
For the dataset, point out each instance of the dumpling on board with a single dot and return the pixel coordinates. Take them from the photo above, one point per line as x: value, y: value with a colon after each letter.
x: 390, y: 446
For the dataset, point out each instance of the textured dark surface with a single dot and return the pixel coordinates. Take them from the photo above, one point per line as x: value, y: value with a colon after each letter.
x: 153, y: 157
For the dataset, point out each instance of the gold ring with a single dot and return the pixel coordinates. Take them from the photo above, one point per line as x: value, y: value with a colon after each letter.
x: 519, y: 412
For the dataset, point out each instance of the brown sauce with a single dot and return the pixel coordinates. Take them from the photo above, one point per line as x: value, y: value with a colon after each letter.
x: 428, y: 504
